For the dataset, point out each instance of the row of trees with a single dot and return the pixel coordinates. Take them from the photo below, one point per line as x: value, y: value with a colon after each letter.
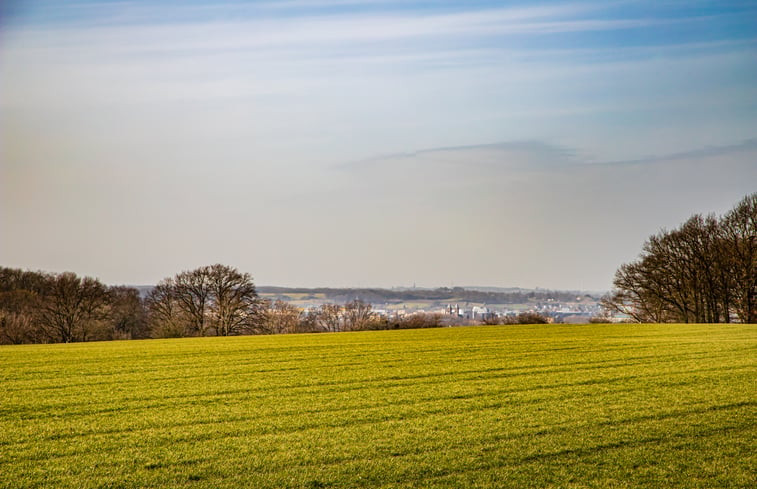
x: 526, y: 317
x: 40, y: 307
x: 217, y: 300
x: 282, y: 317
x: 705, y: 271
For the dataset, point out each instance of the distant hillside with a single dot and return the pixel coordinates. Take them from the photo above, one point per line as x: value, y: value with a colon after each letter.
x: 460, y: 294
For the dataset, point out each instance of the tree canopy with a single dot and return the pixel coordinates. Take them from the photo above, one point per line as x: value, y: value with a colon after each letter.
x: 704, y: 271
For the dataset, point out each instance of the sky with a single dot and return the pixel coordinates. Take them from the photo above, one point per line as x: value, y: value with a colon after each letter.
x: 368, y: 143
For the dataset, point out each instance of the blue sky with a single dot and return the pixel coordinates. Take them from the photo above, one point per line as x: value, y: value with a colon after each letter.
x: 316, y: 142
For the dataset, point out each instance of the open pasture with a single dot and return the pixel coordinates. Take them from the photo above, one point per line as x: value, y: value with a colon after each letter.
x: 504, y: 406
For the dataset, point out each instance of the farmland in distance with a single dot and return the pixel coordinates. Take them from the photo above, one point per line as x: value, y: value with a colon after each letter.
x: 491, y: 406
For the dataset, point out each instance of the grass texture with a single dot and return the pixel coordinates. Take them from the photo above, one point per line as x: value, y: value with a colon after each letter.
x: 477, y: 407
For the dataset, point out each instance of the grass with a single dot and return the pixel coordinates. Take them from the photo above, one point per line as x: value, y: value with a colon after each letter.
x: 507, y: 406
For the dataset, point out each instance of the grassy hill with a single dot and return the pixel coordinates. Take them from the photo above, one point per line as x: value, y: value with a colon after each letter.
x: 507, y: 406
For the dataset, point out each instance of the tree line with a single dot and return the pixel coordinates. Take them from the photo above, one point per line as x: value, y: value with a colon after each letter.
x: 216, y: 300
x: 38, y: 307
x: 704, y: 271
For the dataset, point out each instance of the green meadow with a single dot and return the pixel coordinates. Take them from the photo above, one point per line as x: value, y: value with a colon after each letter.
x: 476, y: 407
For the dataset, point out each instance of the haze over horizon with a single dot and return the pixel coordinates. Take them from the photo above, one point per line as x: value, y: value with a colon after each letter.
x: 336, y: 143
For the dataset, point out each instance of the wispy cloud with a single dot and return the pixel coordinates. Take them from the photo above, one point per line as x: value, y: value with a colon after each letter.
x: 748, y: 146
x: 307, y: 30
x: 515, y: 155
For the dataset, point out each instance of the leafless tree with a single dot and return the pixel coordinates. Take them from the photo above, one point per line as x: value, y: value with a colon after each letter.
x: 358, y: 315
x: 328, y: 317
x: 704, y: 271
x: 281, y: 317
x: 73, y: 308
x: 211, y: 300
x: 191, y: 289
x: 740, y: 236
x: 127, y: 314
x: 235, y: 307
x: 18, y: 326
x: 165, y: 315
x: 37, y: 307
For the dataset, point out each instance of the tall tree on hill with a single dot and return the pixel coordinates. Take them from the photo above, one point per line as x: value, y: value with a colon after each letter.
x: 740, y: 236
x: 192, y: 291
x: 211, y: 300
x: 235, y: 307
x: 704, y: 271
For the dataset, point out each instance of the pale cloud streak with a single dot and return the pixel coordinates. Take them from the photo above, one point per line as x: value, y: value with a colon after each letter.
x: 315, y: 31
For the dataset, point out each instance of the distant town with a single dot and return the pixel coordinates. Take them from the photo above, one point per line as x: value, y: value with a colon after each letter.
x: 457, y: 304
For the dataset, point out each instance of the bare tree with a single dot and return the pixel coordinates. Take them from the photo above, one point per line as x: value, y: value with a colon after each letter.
x: 20, y: 293
x: 309, y: 322
x: 659, y: 286
x: 127, y: 313
x: 235, y: 307
x: 358, y: 315
x: 37, y: 307
x: 705, y: 271
x: 328, y: 317
x: 740, y: 244
x: 17, y: 323
x: 215, y: 299
x: 165, y: 315
x: 191, y: 289
x: 281, y: 317
x: 73, y: 308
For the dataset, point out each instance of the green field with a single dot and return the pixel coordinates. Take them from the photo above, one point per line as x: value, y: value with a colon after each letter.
x: 506, y: 406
